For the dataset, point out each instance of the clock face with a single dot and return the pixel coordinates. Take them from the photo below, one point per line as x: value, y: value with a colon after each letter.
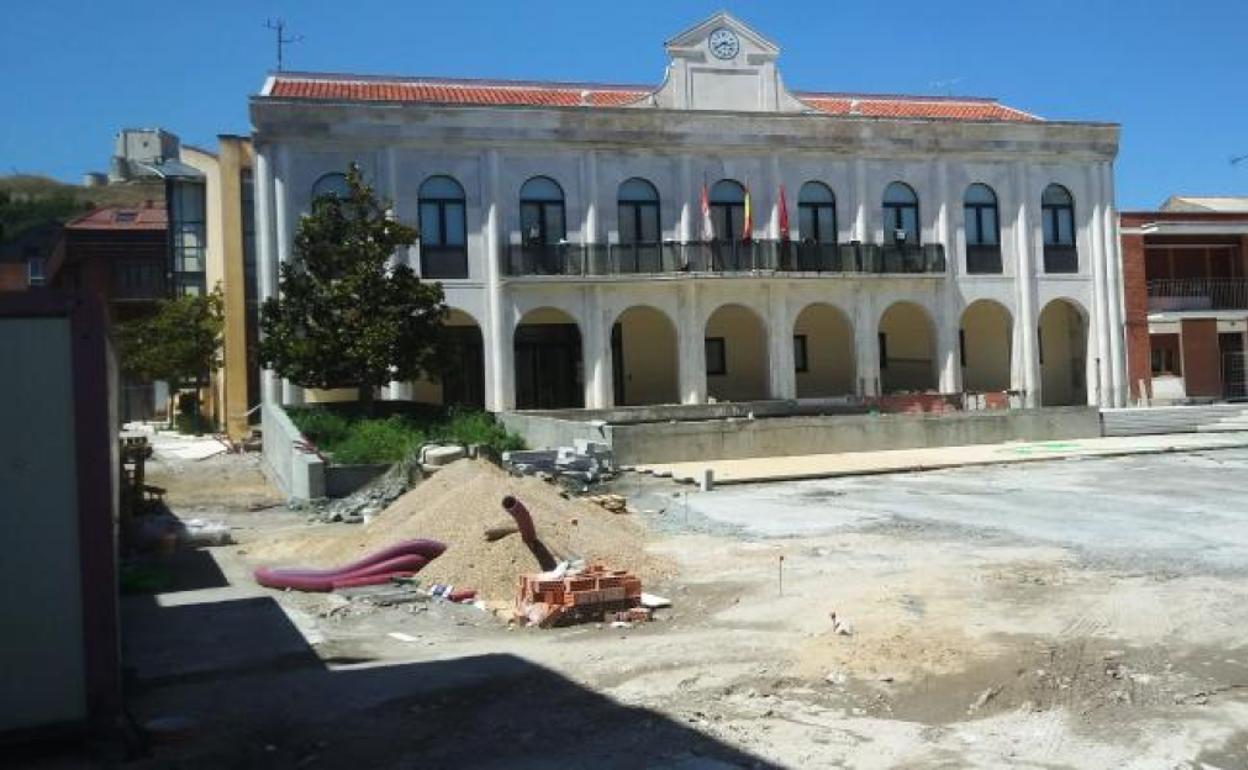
x: 724, y: 43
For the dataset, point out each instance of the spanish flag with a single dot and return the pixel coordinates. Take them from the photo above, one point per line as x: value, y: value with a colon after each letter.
x: 747, y: 229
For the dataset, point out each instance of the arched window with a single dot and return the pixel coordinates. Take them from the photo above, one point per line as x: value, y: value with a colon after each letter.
x: 983, y: 230
x: 901, y: 215
x: 443, y: 229
x: 639, y: 212
x: 639, y: 226
x: 727, y: 202
x: 816, y: 213
x: 542, y: 212
x: 1057, y: 213
x: 334, y: 184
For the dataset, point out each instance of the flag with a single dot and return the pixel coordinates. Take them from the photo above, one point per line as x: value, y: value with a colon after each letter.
x: 747, y: 229
x: 784, y: 216
x: 708, y: 227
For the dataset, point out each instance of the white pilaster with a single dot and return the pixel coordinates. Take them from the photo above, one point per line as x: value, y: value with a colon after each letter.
x: 949, y: 319
x: 1100, y: 387
x: 1114, y: 290
x: 266, y: 254
x: 1024, y: 240
x: 687, y: 196
x: 285, y: 225
x: 773, y: 182
x: 861, y: 219
x: 500, y: 392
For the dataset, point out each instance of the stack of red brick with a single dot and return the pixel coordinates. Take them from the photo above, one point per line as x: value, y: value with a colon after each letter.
x: 594, y: 594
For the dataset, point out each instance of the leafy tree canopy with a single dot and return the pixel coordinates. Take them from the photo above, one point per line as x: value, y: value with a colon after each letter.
x: 345, y: 315
x: 179, y: 343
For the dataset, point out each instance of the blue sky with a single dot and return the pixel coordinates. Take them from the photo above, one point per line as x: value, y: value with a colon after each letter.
x: 1174, y: 74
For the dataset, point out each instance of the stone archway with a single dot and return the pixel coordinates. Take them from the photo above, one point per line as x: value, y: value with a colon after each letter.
x: 548, y: 364
x: 736, y: 354
x: 985, y: 342
x: 1062, y: 345
x: 907, y: 349
x: 644, y: 358
x: 823, y: 352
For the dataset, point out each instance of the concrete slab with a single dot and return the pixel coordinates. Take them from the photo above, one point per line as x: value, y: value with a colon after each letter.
x: 1177, y: 514
x: 800, y: 467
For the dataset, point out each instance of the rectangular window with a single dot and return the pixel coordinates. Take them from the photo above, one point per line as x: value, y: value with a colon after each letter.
x: 883, y: 340
x: 716, y: 356
x: 35, y: 271
x: 800, y: 363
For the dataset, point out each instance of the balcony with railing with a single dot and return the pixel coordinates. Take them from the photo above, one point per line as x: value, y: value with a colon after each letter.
x: 723, y: 257
x: 1179, y: 294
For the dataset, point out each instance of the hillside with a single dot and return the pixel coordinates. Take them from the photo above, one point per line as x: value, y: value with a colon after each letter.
x: 27, y: 200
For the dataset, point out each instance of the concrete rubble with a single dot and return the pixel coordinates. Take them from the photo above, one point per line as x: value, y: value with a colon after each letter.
x: 376, y: 496
x: 578, y: 466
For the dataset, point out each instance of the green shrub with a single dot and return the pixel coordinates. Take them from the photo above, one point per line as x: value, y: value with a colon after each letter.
x: 349, y: 437
x: 377, y: 441
x: 322, y: 427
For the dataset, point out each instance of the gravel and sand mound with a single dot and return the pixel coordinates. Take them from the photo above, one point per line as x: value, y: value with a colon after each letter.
x: 456, y: 506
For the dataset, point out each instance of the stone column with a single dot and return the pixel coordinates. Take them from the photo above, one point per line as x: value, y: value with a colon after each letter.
x: 596, y: 344
x: 867, y: 346
x: 1100, y: 389
x: 782, y: 377
x: 1024, y: 240
x: 1114, y: 285
x: 691, y: 346
x: 285, y: 223
x: 500, y: 375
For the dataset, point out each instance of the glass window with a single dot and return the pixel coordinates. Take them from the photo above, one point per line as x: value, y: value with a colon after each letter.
x: 727, y: 203
x: 980, y: 209
x: 799, y: 353
x: 1058, y: 211
x: 716, y: 356
x: 35, y: 275
x: 901, y: 214
x: 638, y: 212
x: 542, y: 212
x: 816, y: 213
x: 334, y: 184
x: 443, y: 230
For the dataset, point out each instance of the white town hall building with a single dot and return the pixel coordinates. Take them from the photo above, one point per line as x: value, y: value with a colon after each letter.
x: 718, y: 236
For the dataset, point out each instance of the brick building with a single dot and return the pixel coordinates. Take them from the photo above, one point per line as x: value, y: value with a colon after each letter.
x: 1185, y: 292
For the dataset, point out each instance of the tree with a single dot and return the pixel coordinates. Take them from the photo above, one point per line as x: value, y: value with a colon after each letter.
x: 345, y: 316
x: 179, y: 343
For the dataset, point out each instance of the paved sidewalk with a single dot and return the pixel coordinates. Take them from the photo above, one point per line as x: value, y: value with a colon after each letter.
x: 758, y: 469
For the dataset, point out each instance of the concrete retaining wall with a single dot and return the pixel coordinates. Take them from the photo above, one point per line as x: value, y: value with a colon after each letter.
x: 741, y: 437
x: 786, y: 436
x: 299, y: 474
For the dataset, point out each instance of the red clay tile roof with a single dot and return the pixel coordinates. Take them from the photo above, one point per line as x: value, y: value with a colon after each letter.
x: 148, y: 217
x: 488, y: 92
x: 931, y: 107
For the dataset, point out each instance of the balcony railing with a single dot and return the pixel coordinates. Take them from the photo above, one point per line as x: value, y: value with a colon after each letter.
x: 1060, y: 258
x: 1197, y: 294
x: 723, y: 257
x: 983, y: 259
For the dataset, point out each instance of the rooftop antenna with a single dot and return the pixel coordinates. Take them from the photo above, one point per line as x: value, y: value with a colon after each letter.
x: 945, y: 85
x: 279, y: 29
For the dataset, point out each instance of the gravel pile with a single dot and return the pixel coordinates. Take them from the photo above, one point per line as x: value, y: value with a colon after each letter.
x: 456, y: 506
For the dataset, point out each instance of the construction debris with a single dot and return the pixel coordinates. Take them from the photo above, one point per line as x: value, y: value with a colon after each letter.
x: 613, y: 503
x: 577, y: 466
x: 571, y: 594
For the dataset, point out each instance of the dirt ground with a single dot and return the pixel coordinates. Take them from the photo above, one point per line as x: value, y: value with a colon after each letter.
x: 961, y: 644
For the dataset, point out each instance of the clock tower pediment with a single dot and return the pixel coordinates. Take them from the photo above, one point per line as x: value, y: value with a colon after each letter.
x: 723, y: 64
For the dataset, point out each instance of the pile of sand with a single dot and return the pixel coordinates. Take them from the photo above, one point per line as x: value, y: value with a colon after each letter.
x: 456, y: 506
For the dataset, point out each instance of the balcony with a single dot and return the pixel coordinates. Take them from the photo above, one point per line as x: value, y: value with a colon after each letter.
x: 1060, y: 258
x: 1177, y: 294
x: 724, y: 257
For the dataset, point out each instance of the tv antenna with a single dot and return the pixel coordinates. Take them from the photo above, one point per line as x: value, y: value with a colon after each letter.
x: 279, y: 29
